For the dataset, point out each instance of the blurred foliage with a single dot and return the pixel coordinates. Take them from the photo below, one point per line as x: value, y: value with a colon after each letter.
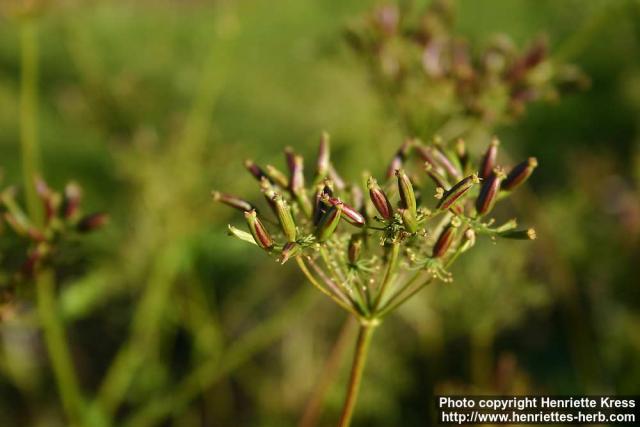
x: 150, y: 104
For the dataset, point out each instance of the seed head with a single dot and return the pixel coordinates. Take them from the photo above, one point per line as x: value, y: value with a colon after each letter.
x: 269, y: 193
x: 489, y: 159
x: 329, y: 222
x: 519, y: 174
x: 231, y: 200
x: 457, y: 191
x: 409, y: 220
x: 427, y: 154
x: 71, y: 200
x: 398, y: 159
x: 258, y: 231
x: 350, y: 214
x: 444, y: 241
x: 441, y: 157
x: 379, y: 199
x: 50, y: 199
x: 92, y: 222
x: 285, y: 218
x: 405, y: 189
x: 276, y: 176
x: 528, y: 234
x: 323, y: 162
x: 437, y: 178
x: 296, y: 168
x: 489, y: 192
x: 255, y: 170
x: 323, y: 191
x: 336, y: 178
x: 462, y: 154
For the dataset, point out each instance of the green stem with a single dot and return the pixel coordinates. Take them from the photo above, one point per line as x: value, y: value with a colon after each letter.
x: 29, y: 116
x: 359, y: 361
x: 57, y: 348
x: 391, y: 265
x: 50, y: 320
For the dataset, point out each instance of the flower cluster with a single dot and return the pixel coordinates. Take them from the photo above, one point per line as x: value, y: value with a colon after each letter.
x: 418, y: 61
x: 62, y: 217
x: 370, y: 254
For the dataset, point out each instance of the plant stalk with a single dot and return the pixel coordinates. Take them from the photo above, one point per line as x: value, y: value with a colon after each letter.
x: 50, y: 320
x: 57, y: 348
x: 359, y: 361
x: 29, y: 115
x: 392, y: 262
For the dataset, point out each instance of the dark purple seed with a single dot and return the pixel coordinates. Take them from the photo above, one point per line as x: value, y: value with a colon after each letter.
x: 444, y: 241
x: 519, y: 174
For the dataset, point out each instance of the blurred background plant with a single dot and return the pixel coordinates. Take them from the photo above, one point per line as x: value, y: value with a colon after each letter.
x: 149, y: 104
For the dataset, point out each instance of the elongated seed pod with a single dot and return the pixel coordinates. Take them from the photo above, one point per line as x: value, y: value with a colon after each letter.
x: 285, y: 218
x: 290, y: 250
x: 405, y: 189
x: 255, y: 170
x: 258, y: 230
x: 519, y: 174
x: 319, y: 206
x: 92, y: 222
x: 322, y: 164
x: 457, y: 191
x: 437, y: 178
x: 71, y: 200
x: 426, y: 153
x: 48, y: 197
x: 462, y: 154
x: 336, y: 178
x: 489, y: 159
x: 355, y: 248
x: 409, y: 220
x: 357, y: 198
x: 441, y: 157
x: 399, y: 157
x: 296, y: 184
x: 349, y: 214
x: 329, y: 222
x: 528, y: 234
x: 289, y: 156
x: 269, y: 192
x: 276, y: 176
x: 231, y: 200
x: 444, y: 241
x: 379, y: 199
x: 489, y: 192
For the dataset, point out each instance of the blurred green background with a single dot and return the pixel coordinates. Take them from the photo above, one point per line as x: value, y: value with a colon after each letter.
x: 151, y: 104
